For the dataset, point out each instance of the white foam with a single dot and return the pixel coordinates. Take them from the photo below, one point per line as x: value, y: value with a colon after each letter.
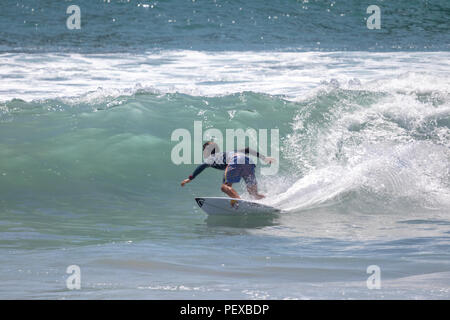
x: 293, y: 74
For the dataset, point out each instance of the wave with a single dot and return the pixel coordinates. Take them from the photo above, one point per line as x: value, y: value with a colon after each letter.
x: 377, y: 143
x: 293, y: 75
x: 374, y: 150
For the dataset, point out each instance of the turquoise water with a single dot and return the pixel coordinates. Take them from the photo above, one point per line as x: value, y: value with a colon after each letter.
x: 86, y: 176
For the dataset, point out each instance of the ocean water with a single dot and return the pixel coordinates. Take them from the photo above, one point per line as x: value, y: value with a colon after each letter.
x: 86, y: 176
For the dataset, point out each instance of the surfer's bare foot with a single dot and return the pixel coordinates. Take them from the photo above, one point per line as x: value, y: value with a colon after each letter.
x: 253, y: 191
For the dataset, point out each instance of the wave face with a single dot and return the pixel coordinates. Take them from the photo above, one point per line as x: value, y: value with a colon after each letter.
x: 120, y: 144
x: 136, y: 26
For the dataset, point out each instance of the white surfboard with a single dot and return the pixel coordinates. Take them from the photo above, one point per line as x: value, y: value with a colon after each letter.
x: 230, y: 206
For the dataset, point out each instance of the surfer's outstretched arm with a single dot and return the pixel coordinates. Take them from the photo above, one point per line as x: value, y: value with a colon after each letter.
x: 197, y: 171
x: 247, y: 151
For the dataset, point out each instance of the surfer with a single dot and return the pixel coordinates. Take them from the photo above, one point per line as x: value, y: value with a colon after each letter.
x: 236, y: 164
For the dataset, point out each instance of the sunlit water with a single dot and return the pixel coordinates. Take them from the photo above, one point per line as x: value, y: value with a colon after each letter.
x: 86, y: 176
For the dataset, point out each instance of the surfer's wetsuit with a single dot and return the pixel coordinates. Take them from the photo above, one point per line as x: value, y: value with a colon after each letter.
x: 236, y: 164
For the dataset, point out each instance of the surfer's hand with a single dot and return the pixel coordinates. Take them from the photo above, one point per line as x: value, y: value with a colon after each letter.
x: 269, y: 160
x: 185, y: 181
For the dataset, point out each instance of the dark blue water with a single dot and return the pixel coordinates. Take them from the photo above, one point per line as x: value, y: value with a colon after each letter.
x: 129, y: 26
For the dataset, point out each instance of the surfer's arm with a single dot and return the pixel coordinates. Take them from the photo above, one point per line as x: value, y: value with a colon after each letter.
x: 197, y: 171
x: 257, y: 154
x: 252, y: 152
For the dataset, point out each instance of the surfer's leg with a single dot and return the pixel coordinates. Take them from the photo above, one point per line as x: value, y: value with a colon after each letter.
x: 231, y: 176
x: 250, y: 181
x: 228, y: 189
x: 253, y: 190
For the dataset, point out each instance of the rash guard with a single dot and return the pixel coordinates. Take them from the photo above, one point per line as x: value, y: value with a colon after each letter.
x: 221, y: 160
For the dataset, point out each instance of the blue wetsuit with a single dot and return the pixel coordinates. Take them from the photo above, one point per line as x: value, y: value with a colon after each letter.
x: 236, y: 164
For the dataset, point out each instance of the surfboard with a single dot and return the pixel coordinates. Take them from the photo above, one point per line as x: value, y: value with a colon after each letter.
x: 230, y: 206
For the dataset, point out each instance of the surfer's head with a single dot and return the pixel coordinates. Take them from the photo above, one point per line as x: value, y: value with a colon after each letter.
x: 210, y: 148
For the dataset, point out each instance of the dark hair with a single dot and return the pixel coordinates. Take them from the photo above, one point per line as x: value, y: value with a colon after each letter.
x: 213, y: 151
